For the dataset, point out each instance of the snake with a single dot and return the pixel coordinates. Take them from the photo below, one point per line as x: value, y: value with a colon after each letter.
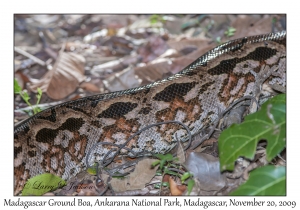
x: 58, y: 139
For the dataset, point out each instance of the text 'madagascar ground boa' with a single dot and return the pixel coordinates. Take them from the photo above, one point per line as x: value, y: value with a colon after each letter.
x: 58, y: 139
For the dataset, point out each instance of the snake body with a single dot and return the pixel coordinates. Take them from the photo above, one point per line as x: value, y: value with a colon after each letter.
x: 58, y: 139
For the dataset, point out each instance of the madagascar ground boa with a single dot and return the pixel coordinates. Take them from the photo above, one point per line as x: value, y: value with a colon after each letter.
x: 58, y: 139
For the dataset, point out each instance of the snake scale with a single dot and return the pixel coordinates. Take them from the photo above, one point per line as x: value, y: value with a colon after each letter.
x: 58, y: 139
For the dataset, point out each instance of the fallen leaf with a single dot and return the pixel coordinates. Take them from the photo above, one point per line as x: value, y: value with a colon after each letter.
x: 63, y: 78
x: 154, y: 71
x: 180, y: 153
x: 251, y: 25
x: 188, y: 42
x: 154, y: 48
x: 206, y: 169
x: 141, y: 175
x: 173, y: 187
x: 121, y: 81
x: 90, y: 87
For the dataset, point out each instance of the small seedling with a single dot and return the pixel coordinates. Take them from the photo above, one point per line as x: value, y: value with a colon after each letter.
x: 156, y: 19
x: 166, y: 162
x: 230, y: 31
x: 26, y: 98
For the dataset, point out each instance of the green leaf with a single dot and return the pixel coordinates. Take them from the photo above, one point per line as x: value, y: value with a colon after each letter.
x: 190, y: 186
x: 230, y: 31
x: 157, y: 186
x: 155, y: 163
x: 161, y: 164
x: 36, y: 110
x: 165, y: 184
x: 167, y: 171
x: 267, y: 180
x: 39, y: 95
x: 17, y: 88
x: 25, y: 97
x: 166, y: 157
x: 92, y: 170
x: 268, y: 123
x: 39, y: 91
x: 40, y: 184
x: 185, y: 176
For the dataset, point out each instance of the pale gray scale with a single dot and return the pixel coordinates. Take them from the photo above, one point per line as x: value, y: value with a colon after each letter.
x: 192, y: 93
x: 120, y: 138
x: 238, y: 87
x: 107, y: 121
x: 42, y: 147
x: 147, y: 136
x: 92, y: 133
x: 77, y: 146
x: 54, y: 163
x: 181, y: 134
x: 34, y: 169
x: 71, y: 165
x: 180, y: 116
x: 209, y: 101
x: 92, y: 136
x: 146, y: 120
x: 100, y: 151
x: 66, y: 135
x: 250, y: 65
x: 282, y: 72
x: 161, y: 146
x: 249, y: 89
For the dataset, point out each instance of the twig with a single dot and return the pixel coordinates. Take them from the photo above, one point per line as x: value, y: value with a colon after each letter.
x: 28, y: 55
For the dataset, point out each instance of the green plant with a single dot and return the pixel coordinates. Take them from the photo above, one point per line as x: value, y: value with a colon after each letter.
x: 269, y: 124
x: 26, y: 98
x: 156, y: 19
x: 168, y: 165
x: 230, y: 31
x: 218, y: 40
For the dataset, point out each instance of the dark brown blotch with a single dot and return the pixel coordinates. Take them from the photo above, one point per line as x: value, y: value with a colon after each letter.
x: 49, y: 115
x: 174, y: 90
x: 226, y: 66
x: 47, y: 135
x: 117, y: 110
x: 17, y: 150
x: 145, y: 110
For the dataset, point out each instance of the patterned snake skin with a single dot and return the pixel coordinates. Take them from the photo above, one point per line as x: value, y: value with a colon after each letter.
x: 58, y: 139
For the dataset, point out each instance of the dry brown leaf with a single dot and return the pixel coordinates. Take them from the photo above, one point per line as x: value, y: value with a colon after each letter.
x: 63, y: 79
x: 155, y: 47
x: 87, y: 86
x: 166, y: 178
x: 141, y: 175
x: 121, y: 81
x: 180, y: 153
x: 170, y: 53
x: 154, y: 71
x: 188, y: 42
x: 182, y: 188
x: 173, y: 187
x: 251, y: 25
